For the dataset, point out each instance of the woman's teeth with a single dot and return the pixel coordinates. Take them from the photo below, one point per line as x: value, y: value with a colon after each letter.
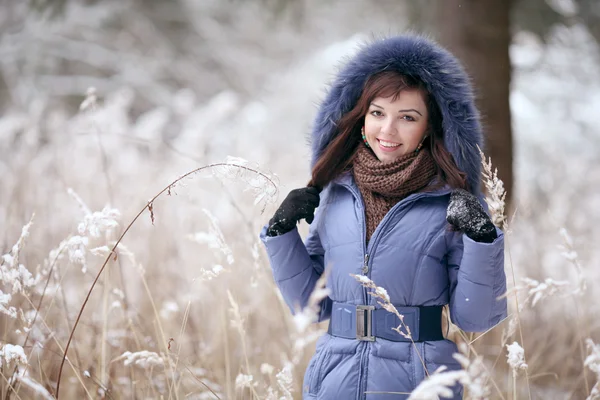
x: 388, y: 144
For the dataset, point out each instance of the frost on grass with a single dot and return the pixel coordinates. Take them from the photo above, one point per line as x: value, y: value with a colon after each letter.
x: 537, y: 291
x: 213, y: 238
x: 11, y: 260
x: 310, y: 313
x: 473, y: 376
x: 477, y: 378
x: 12, y: 354
x: 285, y: 381
x: 168, y: 309
x: 99, y: 223
x: 592, y: 361
x: 284, y: 377
x: 5, y: 307
x: 238, y: 321
x: 209, y: 274
x: 100, y: 251
x: 14, y: 276
x: 262, y: 186
x: 12, y: 273
x: 304, y: 319
x: 40, y: 391
x: 266, y: 369
x: 94, y: 225
x: 540, y: 290
x: 243, y: 381
x: 143, y: 359
x: 496, y: 195
x: 385, y: 303
x: 76, y: 248
x: 513, y: 323
x: 569, y: 253
x: 439, y: 384
x: 256, y: 263
x: 516, y: 357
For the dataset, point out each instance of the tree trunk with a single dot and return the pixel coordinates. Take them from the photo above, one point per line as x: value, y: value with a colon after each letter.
x: 478, y: 33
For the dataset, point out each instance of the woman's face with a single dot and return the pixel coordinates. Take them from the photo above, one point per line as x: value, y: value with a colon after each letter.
x: 395, y: 128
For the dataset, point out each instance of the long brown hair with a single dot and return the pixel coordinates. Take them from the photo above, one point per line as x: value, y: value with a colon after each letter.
x: 338, y: 155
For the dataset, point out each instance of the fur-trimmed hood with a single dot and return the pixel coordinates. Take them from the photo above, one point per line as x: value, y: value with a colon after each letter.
x: 443, y: 76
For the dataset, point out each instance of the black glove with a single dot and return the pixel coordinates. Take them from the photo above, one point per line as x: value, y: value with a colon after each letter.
x: 466, y: 213
x: 299, y: 203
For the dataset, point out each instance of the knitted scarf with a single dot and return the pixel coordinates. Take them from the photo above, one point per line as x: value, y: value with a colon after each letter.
x: 382, y: 185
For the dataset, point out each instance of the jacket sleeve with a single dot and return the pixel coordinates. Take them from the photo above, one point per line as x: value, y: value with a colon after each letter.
x: 477, y: 279
x: 297, y: 266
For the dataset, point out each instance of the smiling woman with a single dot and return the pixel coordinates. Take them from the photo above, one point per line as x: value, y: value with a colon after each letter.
x: 394, y: 126
x: 399, y: 110
x: 394, y: 148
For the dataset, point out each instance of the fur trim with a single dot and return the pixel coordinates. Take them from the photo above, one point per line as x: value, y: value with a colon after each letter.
x: 443, y: 76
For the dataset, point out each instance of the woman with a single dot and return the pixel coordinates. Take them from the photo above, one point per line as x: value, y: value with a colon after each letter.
x: 396, y: 178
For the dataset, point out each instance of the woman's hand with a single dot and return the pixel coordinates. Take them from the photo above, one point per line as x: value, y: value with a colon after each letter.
x: 466, y: 213
x: 299, y: 204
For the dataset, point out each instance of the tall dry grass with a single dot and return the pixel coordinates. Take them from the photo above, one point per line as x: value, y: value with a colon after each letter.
x: 172, y: 297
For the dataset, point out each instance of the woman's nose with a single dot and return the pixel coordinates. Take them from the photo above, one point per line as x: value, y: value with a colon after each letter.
x: 389, y: 127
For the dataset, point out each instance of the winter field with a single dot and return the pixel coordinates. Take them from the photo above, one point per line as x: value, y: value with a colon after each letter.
x: 143, y: 199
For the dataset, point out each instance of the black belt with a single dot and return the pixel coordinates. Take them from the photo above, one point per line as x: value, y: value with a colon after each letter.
x: 361, y: 322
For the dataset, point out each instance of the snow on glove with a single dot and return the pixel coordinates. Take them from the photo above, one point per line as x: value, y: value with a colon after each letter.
x: 466, y: 213
x: 299, y: 204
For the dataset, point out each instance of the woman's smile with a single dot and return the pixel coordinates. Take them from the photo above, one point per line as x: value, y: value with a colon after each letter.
x: 388, y: 147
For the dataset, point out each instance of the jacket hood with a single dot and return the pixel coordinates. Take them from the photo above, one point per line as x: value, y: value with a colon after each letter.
x: 444, y: 78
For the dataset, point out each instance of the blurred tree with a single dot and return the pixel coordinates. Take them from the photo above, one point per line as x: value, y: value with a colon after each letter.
x: 539, y: 16
x: 479, y: 34
x: 589, y: 11
x: 54, y: 8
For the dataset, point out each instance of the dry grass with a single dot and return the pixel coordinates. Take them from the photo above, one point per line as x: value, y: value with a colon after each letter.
x: 179, y: 298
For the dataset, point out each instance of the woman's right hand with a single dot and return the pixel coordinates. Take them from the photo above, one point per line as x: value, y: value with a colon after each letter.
x: 299, y: 204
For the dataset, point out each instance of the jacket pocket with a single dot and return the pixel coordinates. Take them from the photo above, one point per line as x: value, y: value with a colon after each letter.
x: 439, y: 353
x: 314, y: 373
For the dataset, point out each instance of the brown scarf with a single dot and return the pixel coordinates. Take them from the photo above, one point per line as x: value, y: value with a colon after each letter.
x: 382, y: 185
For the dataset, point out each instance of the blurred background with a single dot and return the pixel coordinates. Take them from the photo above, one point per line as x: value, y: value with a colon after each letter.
x: 182, y: 84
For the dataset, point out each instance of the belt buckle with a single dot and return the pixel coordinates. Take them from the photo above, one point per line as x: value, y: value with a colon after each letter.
x: 364, y: 316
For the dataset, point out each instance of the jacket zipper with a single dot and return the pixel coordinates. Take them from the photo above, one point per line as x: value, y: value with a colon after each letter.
x: 395, y: 210
x: 366, y: 269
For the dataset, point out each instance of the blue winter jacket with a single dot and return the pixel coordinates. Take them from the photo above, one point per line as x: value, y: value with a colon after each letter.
x: 412, y: 253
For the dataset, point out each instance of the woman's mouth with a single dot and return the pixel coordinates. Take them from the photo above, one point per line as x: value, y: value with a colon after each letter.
x: 388, y: 146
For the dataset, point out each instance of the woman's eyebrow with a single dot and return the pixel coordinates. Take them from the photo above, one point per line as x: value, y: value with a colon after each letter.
x: 410, y: 109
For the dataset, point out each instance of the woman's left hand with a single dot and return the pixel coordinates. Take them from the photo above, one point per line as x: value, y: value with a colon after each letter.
x: 466, y: 213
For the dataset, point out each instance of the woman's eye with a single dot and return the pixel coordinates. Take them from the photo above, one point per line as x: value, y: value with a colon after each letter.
x: 376, y: 113
x: 408, y: 118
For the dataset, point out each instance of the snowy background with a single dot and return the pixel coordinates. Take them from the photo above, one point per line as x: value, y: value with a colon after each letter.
x: 183, y: 87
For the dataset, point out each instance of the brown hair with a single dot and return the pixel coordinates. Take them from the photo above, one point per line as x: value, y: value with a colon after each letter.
x: 338, y: 155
